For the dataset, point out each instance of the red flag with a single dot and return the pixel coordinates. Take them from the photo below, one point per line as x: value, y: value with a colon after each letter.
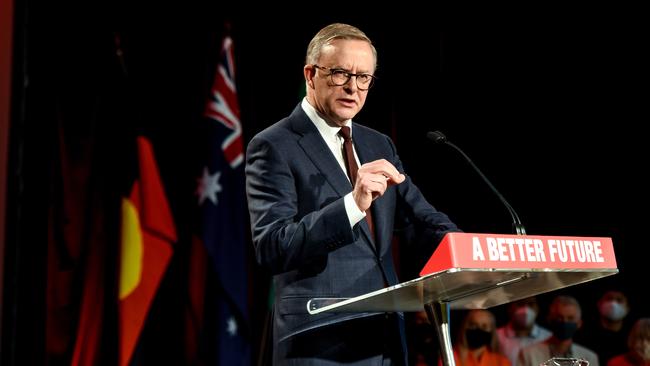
x: 82, y: 246
x: 148, y: 232
x: 195, y: 306
x: 68, y: 199
x: 91, y: 313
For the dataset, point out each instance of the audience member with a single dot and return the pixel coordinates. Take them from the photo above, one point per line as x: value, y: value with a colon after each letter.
x: 564, y: 318
x: 477, y: 343
x: 424, y: 345
x: 521, y: 329
x: 638, y: 344
x: 608, y: 335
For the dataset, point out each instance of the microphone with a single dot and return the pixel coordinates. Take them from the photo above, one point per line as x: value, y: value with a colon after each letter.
x: 439, y: 138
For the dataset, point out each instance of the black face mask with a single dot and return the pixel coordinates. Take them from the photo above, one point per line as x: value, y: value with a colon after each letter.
x: 476, y: 338
x: 563, y: 330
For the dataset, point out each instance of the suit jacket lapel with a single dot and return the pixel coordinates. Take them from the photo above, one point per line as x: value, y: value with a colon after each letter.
x: 319, y: 153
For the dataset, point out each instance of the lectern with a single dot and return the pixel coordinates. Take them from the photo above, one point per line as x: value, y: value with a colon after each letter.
x: 479, y: 271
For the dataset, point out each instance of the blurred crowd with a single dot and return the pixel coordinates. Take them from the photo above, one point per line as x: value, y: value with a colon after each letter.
x: 531, y: 336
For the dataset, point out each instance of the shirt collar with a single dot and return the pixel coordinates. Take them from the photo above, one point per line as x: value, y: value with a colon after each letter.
x: 325, y: 129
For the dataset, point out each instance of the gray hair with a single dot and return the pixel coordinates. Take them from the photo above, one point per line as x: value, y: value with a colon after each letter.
x: 332, y: 32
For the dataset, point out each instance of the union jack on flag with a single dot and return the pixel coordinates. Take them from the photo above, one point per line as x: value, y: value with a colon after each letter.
x: 223, y: 107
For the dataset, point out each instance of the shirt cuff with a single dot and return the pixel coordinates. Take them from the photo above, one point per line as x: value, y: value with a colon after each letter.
x: 354, y: 213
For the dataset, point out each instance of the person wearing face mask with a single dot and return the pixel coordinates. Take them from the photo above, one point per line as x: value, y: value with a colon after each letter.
x: 608, y: 335
x: 638, y: 344
x: 564, y: 319
x: 424, y: 342
x: 521, y: 329
x: 477, y: 343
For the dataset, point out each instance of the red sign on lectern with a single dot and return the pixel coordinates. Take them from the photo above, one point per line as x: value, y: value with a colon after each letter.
x: 482, y: 251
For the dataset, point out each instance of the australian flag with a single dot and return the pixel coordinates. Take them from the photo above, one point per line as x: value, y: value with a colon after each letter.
x: 221, y: 204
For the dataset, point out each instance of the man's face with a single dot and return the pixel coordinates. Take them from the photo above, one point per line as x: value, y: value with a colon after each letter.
x: 564, y: 320
x: 339, y: 103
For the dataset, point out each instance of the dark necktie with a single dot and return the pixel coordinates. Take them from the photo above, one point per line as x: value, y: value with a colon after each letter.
x: 351, y: 165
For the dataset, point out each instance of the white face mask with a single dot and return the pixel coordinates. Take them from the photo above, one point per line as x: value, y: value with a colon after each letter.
x: 613, y: 310
x: 524, y: 316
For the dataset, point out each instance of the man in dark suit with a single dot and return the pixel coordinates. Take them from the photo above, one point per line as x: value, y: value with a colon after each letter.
x: 322, y: 214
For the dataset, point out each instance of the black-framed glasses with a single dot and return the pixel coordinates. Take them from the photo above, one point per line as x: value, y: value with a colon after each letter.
x: 341, y: 77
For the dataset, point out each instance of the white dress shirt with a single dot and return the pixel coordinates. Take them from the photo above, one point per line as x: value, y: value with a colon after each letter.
x: 335, y: 142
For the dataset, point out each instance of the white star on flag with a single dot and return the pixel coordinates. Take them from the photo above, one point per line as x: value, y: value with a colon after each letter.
x: 208, y: 186
x: 232, y: 327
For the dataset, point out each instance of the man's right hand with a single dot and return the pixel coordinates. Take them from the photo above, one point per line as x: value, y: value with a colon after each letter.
x: 373, y: 179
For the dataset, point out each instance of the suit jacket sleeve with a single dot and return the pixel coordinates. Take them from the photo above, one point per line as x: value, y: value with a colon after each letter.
x: 285, y: 235
x: 416, y: 210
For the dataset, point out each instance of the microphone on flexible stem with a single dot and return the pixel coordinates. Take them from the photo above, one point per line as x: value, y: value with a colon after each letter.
x: 439, y: 138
